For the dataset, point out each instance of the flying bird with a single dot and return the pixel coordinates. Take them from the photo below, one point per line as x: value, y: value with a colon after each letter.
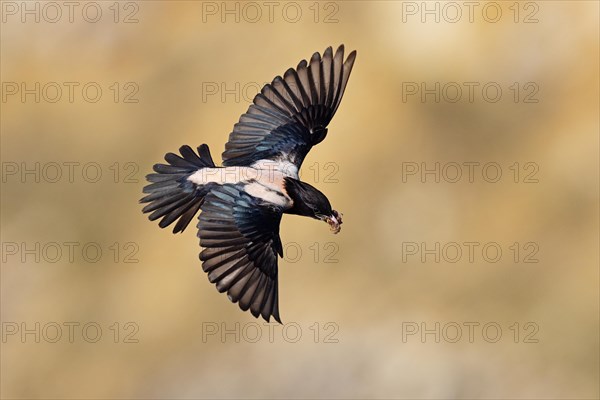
x: 241, y: 203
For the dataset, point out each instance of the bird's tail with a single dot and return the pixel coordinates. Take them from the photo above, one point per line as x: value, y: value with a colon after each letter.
x: 171, y: 196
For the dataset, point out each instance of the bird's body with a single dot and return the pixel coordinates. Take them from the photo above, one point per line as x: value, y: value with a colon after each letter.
x: 264, y: 179
x: 242, y: 202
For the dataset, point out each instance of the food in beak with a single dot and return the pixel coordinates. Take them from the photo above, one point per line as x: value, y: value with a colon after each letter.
x: 335, y: 222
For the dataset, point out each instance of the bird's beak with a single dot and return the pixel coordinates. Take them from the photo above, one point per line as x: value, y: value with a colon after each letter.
x: 335, y: 222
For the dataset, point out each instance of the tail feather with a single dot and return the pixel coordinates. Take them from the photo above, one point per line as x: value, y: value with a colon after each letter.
x: 170, y: 195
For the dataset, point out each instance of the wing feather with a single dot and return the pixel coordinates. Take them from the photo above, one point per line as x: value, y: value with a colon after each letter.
x: 290, y: 115
x: 240, y: 237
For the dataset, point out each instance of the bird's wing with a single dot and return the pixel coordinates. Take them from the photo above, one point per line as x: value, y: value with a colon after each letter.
x: 291, y: 114
x: 240, y: 237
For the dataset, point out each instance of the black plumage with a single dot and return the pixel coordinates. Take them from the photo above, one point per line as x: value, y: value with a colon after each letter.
x: 240, y: 237
x: 171, y: 196
x: 239, y: 218
x: 291, y: 114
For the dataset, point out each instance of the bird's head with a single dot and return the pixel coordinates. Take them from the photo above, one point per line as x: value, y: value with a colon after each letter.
x: 310, y: 202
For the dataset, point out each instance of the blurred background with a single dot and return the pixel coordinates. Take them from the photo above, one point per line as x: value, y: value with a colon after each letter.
x: 464, y: 157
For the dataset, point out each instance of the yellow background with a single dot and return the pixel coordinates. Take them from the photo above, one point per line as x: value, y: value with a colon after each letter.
x: 371, y: 295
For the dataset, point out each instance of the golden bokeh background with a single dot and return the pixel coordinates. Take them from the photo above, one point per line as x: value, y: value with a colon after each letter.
x: 190, y: 69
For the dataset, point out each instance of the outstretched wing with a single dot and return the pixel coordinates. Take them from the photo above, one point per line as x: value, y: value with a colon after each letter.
x: 291, y: 114
x: 240, y: 237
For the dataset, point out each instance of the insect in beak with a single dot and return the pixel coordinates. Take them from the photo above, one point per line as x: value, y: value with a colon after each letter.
x: 335, y: 222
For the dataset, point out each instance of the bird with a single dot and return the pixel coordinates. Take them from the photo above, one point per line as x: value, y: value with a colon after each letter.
x: 241, y: 203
